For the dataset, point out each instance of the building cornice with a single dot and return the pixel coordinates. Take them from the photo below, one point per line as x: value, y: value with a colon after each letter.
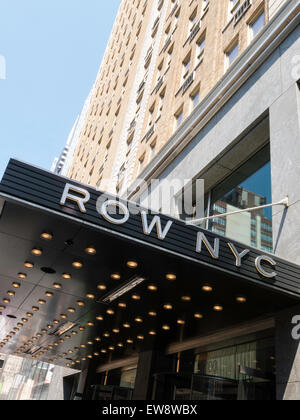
x: 245, y: 66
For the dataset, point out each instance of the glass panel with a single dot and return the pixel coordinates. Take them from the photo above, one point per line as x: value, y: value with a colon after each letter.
x: 233, y: 54
x: 258, y: 24
x: 24, y: 379
x: 249, y: 186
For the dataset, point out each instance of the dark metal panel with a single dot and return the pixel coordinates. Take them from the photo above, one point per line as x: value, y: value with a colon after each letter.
x: 45, y: 189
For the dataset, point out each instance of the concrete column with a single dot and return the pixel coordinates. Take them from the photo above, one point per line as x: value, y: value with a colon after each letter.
x: 287, y: 357
x: 285, y: 163
x: 150, y: 362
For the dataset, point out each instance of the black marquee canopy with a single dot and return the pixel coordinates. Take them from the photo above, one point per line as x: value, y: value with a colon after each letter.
x: 78, y: 282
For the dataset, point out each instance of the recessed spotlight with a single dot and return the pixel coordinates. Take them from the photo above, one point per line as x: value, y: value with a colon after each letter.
x: 74, y: 332
x: 35, y: 308
x: 106, y: 335
x: 166, y: 327
x: 80, y: 303
x: 90, y: 296
x: 101, y: 287
x: 29, y: 314
x: 6, y: 300
x: 16, y: 285
x: 83, y: 346
x: 126, y: 325
x: 168, y: 307
x: 171, y: 276
x: 63, y: 316
x: 57, y: 285
x: 43, y: 331
x: 98, y: 339
x: 186, y: 298
x: 132, y: 264
x: 180, y: 322
x: 24, y: 320
x: 90, y: 324
x: 47, y: 236
x: 42, y: 302
x: 49, y: 294
x: 218, y: 308
x: 99, y: 318
x: 140, y: 337
x: 81, y: 328
x: 72, y: 310
x: 115, y: 276
x: 207, y: 288
x: 152, y: 332
x: 120, y: 345
x: 66, y: 276
x: 152, y: 287
x: 2, y: 307
x: 28, y: 264
x: 11, y: 293
x: 136, y: 297
x: 115, y: 331
x: 152, y: 313
x: 19, y: 324
x: 198, y: 316
x: 138, y: 319
x: 37, y: 252
x: 103, y: 351
x: 129, y: 341
x: 110, y: 312
x: 49, y: 326
x: 91, y: 250
x: 56, y: 321
x: 122, y: 305
x: 241, y: 299
x: 77, y: 264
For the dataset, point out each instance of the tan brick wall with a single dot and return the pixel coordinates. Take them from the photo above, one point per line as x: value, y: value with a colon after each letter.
x: 218, y: 27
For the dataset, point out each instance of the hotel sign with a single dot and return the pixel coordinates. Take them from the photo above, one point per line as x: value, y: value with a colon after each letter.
x: 152, y: 223
x: 127, y: 221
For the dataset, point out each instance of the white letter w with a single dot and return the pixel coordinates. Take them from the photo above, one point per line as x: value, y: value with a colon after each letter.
x: 161, y: 234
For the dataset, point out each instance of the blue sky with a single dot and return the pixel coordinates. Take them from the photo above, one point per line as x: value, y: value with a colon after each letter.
x: 53, y: 50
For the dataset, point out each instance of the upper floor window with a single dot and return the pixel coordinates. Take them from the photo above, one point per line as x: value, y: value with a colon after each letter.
x: 257, y: 24
x: 233, y: 6
x: 231, y: 55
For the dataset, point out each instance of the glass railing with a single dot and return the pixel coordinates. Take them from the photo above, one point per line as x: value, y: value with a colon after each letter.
x: 195, y: 387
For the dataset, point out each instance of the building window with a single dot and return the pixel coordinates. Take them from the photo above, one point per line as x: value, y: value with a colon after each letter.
x: 186, y: 65
x: 178, y: 118
x: 192, y: 21
x: 232, y: 54
x: 152, y: 150
x: 233, y: 6
x: 195, y: 96
x: 141, y: 163
x: 200, y: 49
x: 257, y: 24
x: 249, y: 186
